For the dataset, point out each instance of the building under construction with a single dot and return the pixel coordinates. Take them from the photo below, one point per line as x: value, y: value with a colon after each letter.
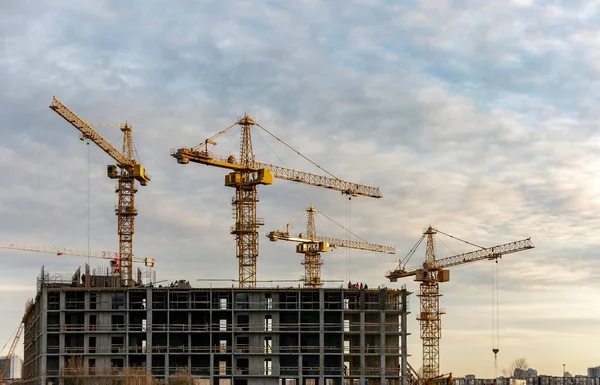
x: 215, y: 336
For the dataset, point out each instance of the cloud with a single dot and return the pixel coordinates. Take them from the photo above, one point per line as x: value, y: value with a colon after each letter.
x: 478, y: 118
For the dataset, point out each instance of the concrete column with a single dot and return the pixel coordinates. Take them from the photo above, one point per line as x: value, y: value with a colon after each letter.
x: 167, y: 364
x: 362, y: 337
x: 61, y: 335
x: 149, y: 331
x: 44, y: 333
x: 126, y: 339
x: 321, y: 336
x: 382, y: 336
x: 404, y: 336
x: 210, y: 340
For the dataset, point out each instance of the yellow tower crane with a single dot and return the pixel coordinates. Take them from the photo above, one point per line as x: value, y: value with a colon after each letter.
x: 430, y: 274
x: 247, y: 174
x: 126, y: 171
x: 311, y: 245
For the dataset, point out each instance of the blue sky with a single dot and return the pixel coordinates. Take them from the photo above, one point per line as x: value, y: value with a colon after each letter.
x: 477, y: 117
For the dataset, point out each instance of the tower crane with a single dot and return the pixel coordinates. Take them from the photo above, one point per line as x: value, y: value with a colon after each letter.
x: 311, y: 245
x: 246, y: 176
x: 430, y: 274
x: 100, y: 254
x: 11, y: 351
x: 126, y: 171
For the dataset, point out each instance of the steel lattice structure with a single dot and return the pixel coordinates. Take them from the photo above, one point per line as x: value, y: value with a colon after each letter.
x: 246, y: 176
x: 127, y: 172
x: 430, y: 274
x: 311, y: 245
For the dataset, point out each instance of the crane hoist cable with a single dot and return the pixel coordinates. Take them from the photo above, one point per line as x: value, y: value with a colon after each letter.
x: 89, y: 198
x: 495, y: 316
x: 339, y: 224
x: 348, y: 263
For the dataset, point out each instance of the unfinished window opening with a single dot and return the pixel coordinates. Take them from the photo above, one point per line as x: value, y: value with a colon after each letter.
x: 93, y: 320
x: 118, y: 300
x: 311, y: 381
x: 222, y: 325
x: 223, y: 303
x: 346, y: 325
x: 346, y: 303
x: 93, y: 300
x: 268, y: 367
x: 222, y: 368
x: 117, y: 344
x: 243, y: 344
x: 268, y: 301
x: 346, y: 347
x: 268, y: 323
x: 268, y: 345
x: 144, y: 325
x: 346, y: 368
x: 144, y: 346
x: 116, y: 363
x: 92, y: 344
x: 118, y: 322
x: 223, y: 346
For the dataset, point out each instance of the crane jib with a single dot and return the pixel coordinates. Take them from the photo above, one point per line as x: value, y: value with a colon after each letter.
x: 186, y: 155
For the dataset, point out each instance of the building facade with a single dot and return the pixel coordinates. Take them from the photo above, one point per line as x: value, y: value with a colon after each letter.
x: 594, y: 372
x: 14, y: 369
x: 217, y: 336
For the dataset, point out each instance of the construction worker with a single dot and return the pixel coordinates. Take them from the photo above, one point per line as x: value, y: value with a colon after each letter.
x: 350, y: 285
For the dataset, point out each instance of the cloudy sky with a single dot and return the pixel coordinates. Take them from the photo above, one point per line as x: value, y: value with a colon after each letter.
x: 477, y: 117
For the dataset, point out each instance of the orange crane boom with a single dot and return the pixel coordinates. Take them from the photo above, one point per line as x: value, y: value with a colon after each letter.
x: 246, y: 176
x: 13, y: 346
x: 311, y: 245
x: 127, y: 171
x: 430, y: 274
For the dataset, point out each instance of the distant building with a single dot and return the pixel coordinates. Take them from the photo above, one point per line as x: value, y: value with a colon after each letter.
x: 594, y: 372
x: 14, y: 370
x: 539, y: 380
x: 525, y: 373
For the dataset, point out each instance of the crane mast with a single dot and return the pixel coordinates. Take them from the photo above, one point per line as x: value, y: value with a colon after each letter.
x: 127, y: 172
x: 244, y: 203
x: 311, y: 245
x: 430, y: 315
x: 246, y: 175
x: 429, y: 275
x: 312, y: 258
